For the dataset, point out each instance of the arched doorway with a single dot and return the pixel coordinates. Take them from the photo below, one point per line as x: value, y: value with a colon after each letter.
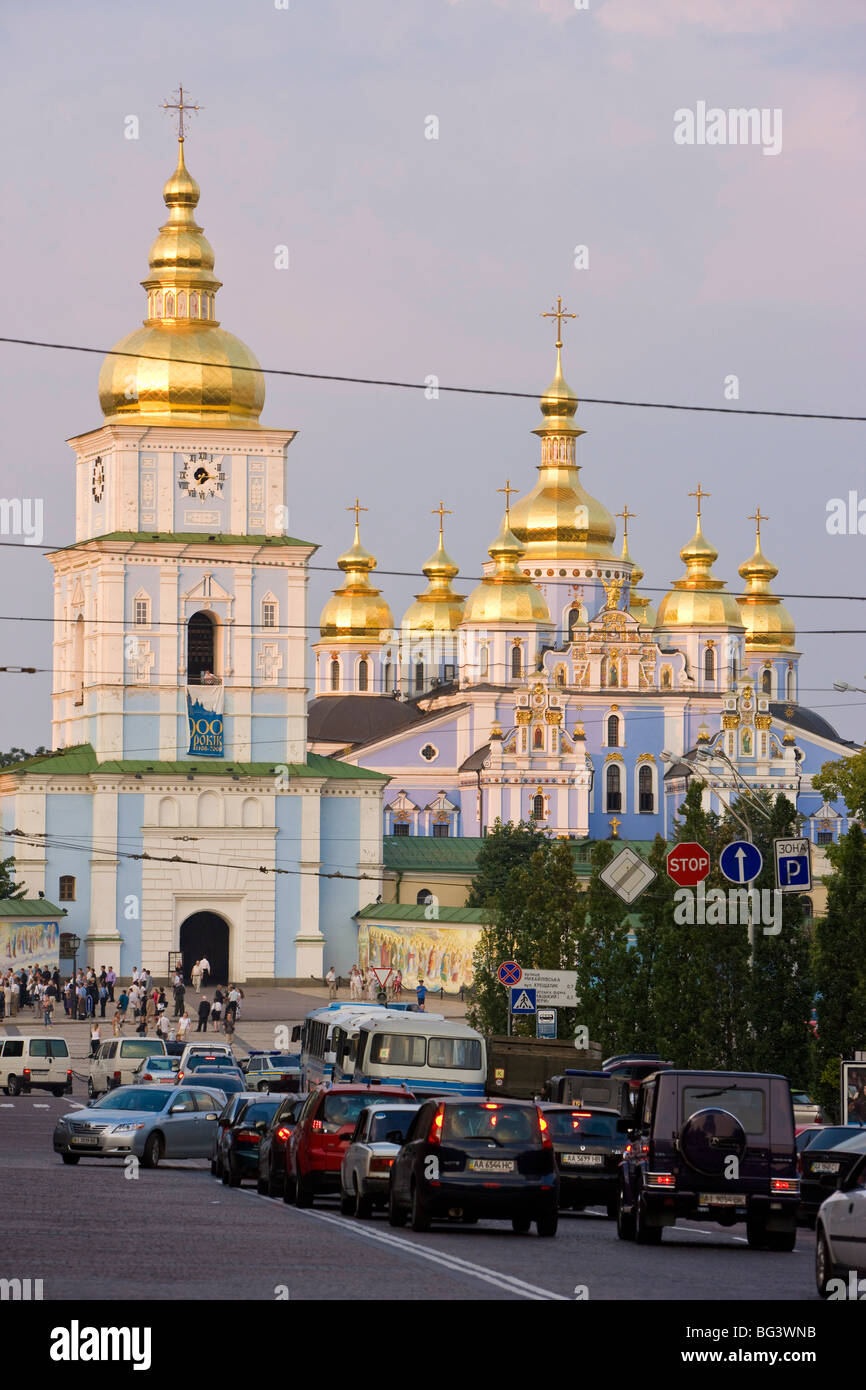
x: 206, y: 934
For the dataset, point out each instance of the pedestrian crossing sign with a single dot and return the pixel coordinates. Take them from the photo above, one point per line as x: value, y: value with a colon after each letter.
x: 523, y: 1000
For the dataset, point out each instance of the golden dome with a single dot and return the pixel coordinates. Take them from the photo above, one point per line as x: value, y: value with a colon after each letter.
x: 357, y: 611
x: 438, y: 609
x: 699, y: 598
x: 506, y: 595
x: 181, y: 368
x: 769, y: 626
x: 558, y: 519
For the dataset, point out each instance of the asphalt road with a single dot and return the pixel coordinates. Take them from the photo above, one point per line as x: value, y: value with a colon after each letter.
x: 89, y: 1232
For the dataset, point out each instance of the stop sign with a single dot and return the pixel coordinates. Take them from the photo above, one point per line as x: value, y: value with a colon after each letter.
x: 688, y: 864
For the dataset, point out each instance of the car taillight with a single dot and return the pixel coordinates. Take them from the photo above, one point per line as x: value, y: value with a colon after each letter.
x: 26, y: 1071
x: 785, y: 1185
x: 316, y: 1125
x: 117, y: 1076
x: 435, y: 1135
x: 660, y: 1180
x: 69, y: 1076
x: 181, y: 1075
x: 283, y: 1133
x: 247, y: 1136
x: 544, y: 1128
x: 380, y: 1165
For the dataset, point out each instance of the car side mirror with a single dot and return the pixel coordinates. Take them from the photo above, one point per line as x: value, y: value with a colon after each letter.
x: 178, y: 1110
x: 212, y: 1115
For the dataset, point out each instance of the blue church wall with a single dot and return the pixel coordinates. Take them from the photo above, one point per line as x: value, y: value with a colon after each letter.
x: 70, y: 819
x: 338, y: 899
x: 130, y: 814
x: 287, y: 887
x: 141, y: 736
x: 268, y: 738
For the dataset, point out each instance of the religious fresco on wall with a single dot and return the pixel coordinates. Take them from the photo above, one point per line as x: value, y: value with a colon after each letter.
x: 29, y: 943
x: 441, y: 956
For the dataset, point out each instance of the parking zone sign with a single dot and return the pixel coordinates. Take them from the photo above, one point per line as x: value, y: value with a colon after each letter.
x: 793, y: 865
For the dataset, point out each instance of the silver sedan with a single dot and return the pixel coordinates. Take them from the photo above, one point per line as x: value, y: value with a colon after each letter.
x: 366, y: 1166
x: 147, y: 1122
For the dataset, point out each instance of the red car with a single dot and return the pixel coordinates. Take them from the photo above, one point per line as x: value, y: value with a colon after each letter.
x: 314, y: 1153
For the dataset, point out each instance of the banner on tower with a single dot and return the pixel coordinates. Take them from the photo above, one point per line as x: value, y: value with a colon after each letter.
x: 204, y: 707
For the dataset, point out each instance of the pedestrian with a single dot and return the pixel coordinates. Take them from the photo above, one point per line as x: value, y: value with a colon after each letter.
x: 123, y: 1003
x: 229, y: 1026
x: 354, y: 983
x: 103, y: 998
x: 398, y: 984
x: 111, y: 981
x: 205, y: 970
x: 117, y: 1022
x: 150, y: 1014
x: 179, y: 993
x: 161, y: 1002
x: 216, y: 1011
x: 183, y: 1026
x: 195, y: 976
x: 203, y: 1015
x: 47, y: 1005
x: 95, y: 1038
x: 162, y: 1026
x: 331, y: 982
x: 234, y: 1003
x: 421, y: 995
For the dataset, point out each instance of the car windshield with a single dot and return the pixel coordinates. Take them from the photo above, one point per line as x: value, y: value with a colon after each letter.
x: 852, y: 1143
x: 746, y: 1104
x: 387, y: 1122
x: 221, y: 1081
x: 257, y: 1110
x: 503, y: 1125
x: 136, y: 1098
x: 800, y: 1098
x: 580, y: 1125
x: 159, y: 1064
x: 135, y: 1047
x: 339, y: 1110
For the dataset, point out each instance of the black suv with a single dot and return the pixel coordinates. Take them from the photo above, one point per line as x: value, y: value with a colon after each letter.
x: 712, y: 1145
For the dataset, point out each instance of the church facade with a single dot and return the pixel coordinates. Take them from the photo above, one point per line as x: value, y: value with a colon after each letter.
x: 180, y: 811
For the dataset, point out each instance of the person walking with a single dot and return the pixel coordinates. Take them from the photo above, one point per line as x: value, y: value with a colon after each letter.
x: 216, y: 1010
x: 398, y: 984
x: 331, y: 982
x: 103, y: 998
x: 234, y: 1003
x: 184, y: 1024
x: 421, y: 995
x: 203, y: 1014
x: 95, y: 1038
x: 195, y: 976
x: 150, y: 1014
x: 179, y: 993
x: 117, y: 1022
x: 205, y: 970
x: 111, y: 981
x: 47, y: 1005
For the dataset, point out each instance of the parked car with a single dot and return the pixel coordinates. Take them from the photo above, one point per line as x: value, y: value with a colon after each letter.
x: 469, y: 1158
x: 207, y: 1061
x: 272, y: 1149
x: 806, y: 1110
x: 824, y: 1164
x: 314, y: 1152
x: 840, y: 1235
x: 35, y: 1063
x: 366, y: 1166
x: 273, y: 1071
x: 156, y: 1070
x: 116, y: 1061
x: 713, y: 1145
x: 588, y: 1145
x: 210, y: 1049
x: 241, y: 1139
x: 149, y: 1122
x: 230, y: 1107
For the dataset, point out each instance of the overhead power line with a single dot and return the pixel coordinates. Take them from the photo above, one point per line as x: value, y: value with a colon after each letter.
x: 424, y: 386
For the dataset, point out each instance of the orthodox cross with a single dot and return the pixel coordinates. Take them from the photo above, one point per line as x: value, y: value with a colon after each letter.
x: 357, y: 509
x: 758, y: 517
x: 614, y: 824
x: 508, y: 489
x: 441, y: 511
x: 180, y: 106
x: 559, y: 314
x: 699, y: 494
x: 626, y: 514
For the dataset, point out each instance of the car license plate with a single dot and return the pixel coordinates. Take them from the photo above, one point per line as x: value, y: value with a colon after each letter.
x: 825, y: 1167
x: 491, y: 1165
x: 720, y: 1199
x: 92, y: 1143
x: 583, y: 1160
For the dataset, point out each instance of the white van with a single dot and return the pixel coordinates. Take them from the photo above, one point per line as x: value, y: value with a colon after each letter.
x: 39, y: 1062
x: 116, y: 1061
x: 202, y: 1049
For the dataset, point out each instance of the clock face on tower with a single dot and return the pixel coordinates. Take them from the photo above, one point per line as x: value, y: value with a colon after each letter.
x: 201, y: 475
x: 97, y: 481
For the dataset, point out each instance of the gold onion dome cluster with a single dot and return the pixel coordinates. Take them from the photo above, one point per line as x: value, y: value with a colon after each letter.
x: 699, y: 599
x: 210, y: 376
x: 558, y: 519
x: 505, y: 595
x: 357, y: 611
x: 768, y: 624
x: 438, y: 609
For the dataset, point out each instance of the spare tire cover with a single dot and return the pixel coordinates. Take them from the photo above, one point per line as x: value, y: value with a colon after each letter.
x: 708, y: 1138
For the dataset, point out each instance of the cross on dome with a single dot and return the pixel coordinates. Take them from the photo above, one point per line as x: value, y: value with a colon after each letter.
x: 559, y: 314
x: 180, y: 106
x: 699, y: 494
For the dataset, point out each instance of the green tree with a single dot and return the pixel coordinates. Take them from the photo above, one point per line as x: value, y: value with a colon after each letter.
x: 845, y: 777
x: 505, y: 848
x: 606, y: 968
x: 839, y: 965
x: 8, y: 887
x: 20, y: 755
x: 654, y: 936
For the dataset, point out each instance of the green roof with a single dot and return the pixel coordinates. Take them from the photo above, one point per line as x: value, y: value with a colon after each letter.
x: 29, y: 907
x: 190, y: 537
x: 428, y: 854
x: 417, y: 912
x: 81, y: 760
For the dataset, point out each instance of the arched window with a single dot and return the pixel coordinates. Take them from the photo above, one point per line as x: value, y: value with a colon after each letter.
x: 363, y: 675
x: 386, y: 678
x: 335, y: 675
x: 613, y: 731
x: 573, y: 620
x: 269, y: 613
x: 709, y: 664
x: 667, y: 678
x: 200, y: 647
x: 484, y: 663
x: 210, y: 809
x: 789, y: 686
x: 419, y: 677
x: 169, y: 305
x: 78, y: 659
x: 538, y: 807
x: 159, y: 304
x: 169, y: 812
x: 613, y: 674
x: 67, y: 888
x: 734, y: 668
x: 766, y: 681
x: 424, y: 898
x: 181, y: 305
x: 614, y: 795
x: 193, y: 305
x: 515, y: 663
x: 538, y: 737
x: 560, y: 675
x: 646, y: 801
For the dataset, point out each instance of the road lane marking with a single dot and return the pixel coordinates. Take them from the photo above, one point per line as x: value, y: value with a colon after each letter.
x: 6, y: 1105
x: 38, y: 1106
x: 454, y: 1263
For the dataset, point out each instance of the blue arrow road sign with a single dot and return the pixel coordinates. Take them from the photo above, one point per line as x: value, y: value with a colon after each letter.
x: 523, y: 1000
x: 740, y: 861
